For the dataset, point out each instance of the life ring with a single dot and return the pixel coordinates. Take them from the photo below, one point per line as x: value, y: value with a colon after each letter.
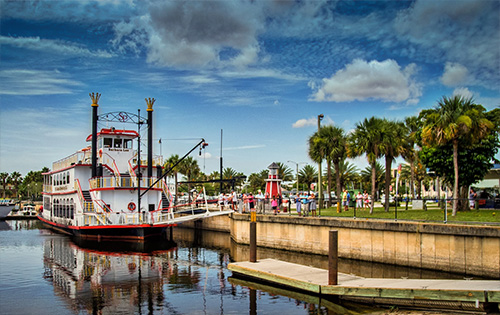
x: 131, y: 206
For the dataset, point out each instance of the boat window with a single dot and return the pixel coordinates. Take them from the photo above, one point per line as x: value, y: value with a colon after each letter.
x: 67, y: 177
x: 108, y: 142
x: 127, y: 143
x: 118, y: 143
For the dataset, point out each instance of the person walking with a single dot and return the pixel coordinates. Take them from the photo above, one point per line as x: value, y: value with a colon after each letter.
x: 472, y: 198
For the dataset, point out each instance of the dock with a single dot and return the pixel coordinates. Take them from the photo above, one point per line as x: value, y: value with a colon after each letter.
x: 478, y: 294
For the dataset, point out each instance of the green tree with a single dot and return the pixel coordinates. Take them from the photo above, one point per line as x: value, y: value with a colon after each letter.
x: 410, y: 152
x: 257, y: 181
x: 366, y: 176
x: 190, y: 169
x: 285, y: 173
x: 171, y: 161
x: 391, y: 146
x: 229, y: 173
x: 366, y: 139
x: 456, y: 121
x: 308, y: 175
x: 4, y: 179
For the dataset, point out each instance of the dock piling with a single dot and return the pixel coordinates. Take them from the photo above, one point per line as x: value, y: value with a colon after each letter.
x: 253, y: 236
x: 333, y: 257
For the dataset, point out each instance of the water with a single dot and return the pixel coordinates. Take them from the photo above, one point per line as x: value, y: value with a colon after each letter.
x: 42, y: 272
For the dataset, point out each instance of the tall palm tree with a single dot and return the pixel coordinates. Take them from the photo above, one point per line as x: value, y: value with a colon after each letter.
x: 410, y: 152
x: 189, y: 167
x: 335, y: 142
x: 285, y: 173
x: 318, y: 148
x: 366, y: 175
x: 258, y: 180
x: 456, y: 120
x: 391, y: 146
x: 4, y: 179
x: 308, y: 175
x: 171, y: 161
x: 366, y: 139
x: 347, y: 173
x: 16, y: 179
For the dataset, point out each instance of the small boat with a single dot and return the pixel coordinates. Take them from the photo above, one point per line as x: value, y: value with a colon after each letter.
x: 108, y: 191
x: 28, y: 211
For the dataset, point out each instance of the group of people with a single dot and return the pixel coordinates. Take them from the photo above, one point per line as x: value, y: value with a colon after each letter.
x: 248, y: 202
x: 363, y: 200
x: 309, y: 202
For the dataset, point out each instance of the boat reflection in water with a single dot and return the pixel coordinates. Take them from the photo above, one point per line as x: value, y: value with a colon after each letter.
x: 162, y: 278
x: 93, y: 275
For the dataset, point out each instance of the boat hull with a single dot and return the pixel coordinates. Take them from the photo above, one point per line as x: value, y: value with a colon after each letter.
x: 137, y: 232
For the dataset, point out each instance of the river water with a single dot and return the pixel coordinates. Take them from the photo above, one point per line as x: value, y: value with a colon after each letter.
x: 43, y: 272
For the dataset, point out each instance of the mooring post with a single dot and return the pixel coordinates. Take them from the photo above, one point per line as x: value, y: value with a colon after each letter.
x: 333, y: 257
x: 253, y: 236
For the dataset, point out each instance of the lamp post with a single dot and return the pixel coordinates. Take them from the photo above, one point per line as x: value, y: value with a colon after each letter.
x: 320, y: 188
x: 297, y: 172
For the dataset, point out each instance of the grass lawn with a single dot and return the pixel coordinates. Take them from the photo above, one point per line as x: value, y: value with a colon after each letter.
x: 432, y: 214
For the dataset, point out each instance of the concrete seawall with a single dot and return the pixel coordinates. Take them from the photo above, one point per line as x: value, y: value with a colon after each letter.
x: 464, y: 249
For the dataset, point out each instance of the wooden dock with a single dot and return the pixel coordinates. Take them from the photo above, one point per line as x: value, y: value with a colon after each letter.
x: 481, y: 293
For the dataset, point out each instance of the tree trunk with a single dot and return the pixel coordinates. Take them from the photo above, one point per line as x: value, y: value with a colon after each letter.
x: 388, y: 163
x: 374, y: 181
x: 455, y: 184
x: 337, y: 181
x: 329, y: 186
x: 412, y: 179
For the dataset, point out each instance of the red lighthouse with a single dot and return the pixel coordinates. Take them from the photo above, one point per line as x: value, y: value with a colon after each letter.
x: 273, y: 183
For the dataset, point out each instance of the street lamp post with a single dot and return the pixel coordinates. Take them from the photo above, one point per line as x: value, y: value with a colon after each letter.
x: 297, y: 172
x: 320, y: 188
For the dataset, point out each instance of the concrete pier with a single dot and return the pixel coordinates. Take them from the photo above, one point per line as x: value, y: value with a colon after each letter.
x: 484, y: 294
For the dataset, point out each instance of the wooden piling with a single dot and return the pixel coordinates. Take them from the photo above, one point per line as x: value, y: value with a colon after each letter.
x: 333, y: 257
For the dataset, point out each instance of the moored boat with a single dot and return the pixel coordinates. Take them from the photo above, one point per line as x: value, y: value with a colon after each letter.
x: 106, y: 190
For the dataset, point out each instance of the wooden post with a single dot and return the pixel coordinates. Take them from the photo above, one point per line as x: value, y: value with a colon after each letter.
x: 333, y: 258
x: 253, y: 237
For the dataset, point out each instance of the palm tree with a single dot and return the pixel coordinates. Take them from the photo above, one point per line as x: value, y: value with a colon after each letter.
x: 173, y: 160
x: 456, y: 120
x: 366, y: 175
x: 410, y: 154
x: 366, y: 139
x: 189, y: 168
x: 285, y: 173
x: 308, y: 175
x: 391, y: 146
x: 335, y: 141
x: 317, y: 149
x: 16, y: 179
x: 258, y: 180
x: 4, y: 179
x: 229, y: 173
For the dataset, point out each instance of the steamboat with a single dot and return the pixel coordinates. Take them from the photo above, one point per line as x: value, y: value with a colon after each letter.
x: 100, y: 192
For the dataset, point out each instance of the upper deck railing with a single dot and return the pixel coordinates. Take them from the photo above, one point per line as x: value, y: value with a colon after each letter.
x: 123, y: 182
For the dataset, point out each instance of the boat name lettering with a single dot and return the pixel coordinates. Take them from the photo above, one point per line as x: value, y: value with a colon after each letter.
x: 65, y: 187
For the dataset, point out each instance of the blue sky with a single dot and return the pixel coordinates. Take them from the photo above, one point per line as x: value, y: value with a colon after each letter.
x: 262, y: 71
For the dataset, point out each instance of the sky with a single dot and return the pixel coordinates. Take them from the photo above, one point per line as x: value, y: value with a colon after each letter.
x: 255, y: 74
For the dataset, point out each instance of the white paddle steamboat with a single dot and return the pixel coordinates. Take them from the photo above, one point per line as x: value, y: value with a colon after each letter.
x: 101, y: 191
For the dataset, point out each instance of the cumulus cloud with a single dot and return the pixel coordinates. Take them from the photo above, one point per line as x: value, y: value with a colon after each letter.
x: 195, y: 33
x: 52, y: 46
x: 312, y: 122
x: 465, y: 32
x: 464, y: 92
x: 34, y: 82
x: 454, y: 74
x: 374, y: 80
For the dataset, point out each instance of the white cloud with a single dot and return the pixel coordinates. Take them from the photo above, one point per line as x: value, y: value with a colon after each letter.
x: 464, y: 92
x: 463, y: 31
x: 195, y: 33
x: 312, y: 122
x: 34, y: 82
x: 374, y: 80
x: 454, y: 74
x: 52, y: 46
